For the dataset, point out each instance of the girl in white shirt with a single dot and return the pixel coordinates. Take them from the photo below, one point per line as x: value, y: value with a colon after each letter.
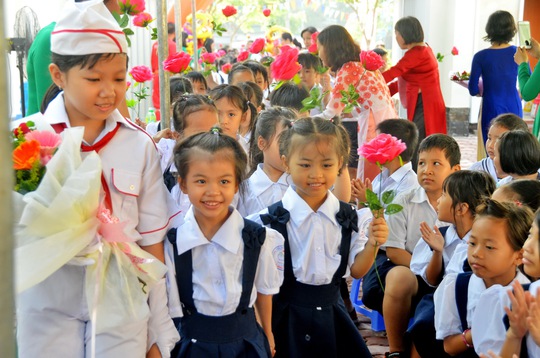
x: 321, y: 245
x: 495, y: 250
x: 268, y: 180
x: 224, y: 264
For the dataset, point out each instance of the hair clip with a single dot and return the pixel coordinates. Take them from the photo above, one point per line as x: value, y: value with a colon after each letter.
x: 518, y: 203
x: 215, y: 130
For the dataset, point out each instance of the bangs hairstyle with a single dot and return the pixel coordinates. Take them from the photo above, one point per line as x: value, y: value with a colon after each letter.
x: 67, y: 62
x: 519, y: 152
x: 509, y: 121
x: 232, y: 93
x: 310, y: 29
x: 266, y: 127
x: 256, y: 68
x: 468, y: 187
x: 315, y: 129
x: 196, y: 76
x: 187, y: 104
x: 410, y: 30
x: 238, y: 68
x: 518, y: 220
x: 212, y: 142
x: 500, y: 27
x: 309, y: 60
x: 401, y: 129
x: 179, y: 85
x: 289, y: 95
x: 253, y: 92
x: 523, y: 191
x: 445, y: 143
x: 339, y: 45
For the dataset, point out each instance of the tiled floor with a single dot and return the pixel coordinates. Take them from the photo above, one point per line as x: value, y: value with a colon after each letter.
x: 376, y: 341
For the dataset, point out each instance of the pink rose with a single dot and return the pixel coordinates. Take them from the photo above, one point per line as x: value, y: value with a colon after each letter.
x: 455, y: 51
x: 209, y: 58
x: 229, y: 11
x: 371, y: 60
x: 286, y: 65
x: 382, y: 149
x: 177, y: 63
x: 313, y: 47
x: 226, y: 68
x: 267, y: 12
x: 257, y: 45
x: 221, y: 53
x: 131, y: 7
x: 141, y: 73
x: 242, y: 56
x: 142, y: 20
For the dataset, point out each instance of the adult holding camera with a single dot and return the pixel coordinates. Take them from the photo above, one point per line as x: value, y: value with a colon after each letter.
x: 529, y: 84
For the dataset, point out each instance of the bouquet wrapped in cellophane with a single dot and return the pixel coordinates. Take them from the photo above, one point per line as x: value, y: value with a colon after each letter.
x: 63, y: 222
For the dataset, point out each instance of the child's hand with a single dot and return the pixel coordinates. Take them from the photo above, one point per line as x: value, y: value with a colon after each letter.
x: 166, y: 133
x: 432, y: 237
x: 533, y: 321
x: 271, y: 342
x: 517, y: 315
x: 378, y: 231
x: 140, y: 123
x: 358, y: 189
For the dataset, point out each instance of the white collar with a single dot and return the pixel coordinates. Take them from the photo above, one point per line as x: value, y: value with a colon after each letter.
x: 419, y: 196
x: 259, y: 182
x: 400, y: 173
x: 300, y: 210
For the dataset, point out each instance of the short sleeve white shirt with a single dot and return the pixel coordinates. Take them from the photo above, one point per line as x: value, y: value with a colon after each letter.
x: 402, y: 180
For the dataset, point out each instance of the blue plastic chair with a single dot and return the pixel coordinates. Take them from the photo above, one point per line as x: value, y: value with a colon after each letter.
x: 377, y: 321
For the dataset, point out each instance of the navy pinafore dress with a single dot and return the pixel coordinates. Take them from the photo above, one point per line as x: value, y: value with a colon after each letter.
x: 232, y: 336
x: 309, y: 320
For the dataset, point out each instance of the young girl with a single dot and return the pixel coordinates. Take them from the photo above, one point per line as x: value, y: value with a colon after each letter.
x: 224, y: 264
x: 495, y: 245
x: 232, y: 107
x: 309, y: 317
x: 90, y: 66
x: 517, y: 153
x: 520, y: 192
x: 499, y: 125
x: 199, y: 82
x: 268, y: 180
x: 339, y: 51
x: 442, y: 251
x: 246, y: 128
x: 498, y: 301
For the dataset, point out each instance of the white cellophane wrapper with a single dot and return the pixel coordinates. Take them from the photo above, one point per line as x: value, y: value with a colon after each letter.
x: 58, y: 223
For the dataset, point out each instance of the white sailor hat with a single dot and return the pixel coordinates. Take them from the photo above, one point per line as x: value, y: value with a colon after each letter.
x: 86, y: 28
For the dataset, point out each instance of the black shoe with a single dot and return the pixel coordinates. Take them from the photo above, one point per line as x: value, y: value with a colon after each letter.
x: 354, y: 317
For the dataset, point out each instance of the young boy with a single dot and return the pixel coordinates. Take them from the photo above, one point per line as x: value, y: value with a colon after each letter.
x: 310, y: 76
x: 439, y: 156
x: 398, y: 174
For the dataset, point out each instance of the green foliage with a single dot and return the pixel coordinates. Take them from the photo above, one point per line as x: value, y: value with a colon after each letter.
x: 374, y: 203
x: 315, y: 100
x: 349, y: 98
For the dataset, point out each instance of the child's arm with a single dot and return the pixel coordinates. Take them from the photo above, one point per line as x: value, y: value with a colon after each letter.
x: 378, y: 233
x: 533, y: 321
x: 517, y: 315
x: 157, y: 250
x: 263, y: 305
x: 435, y: 241
x: 342, y: 188
x: 399, y: 256
x: 455, y: 343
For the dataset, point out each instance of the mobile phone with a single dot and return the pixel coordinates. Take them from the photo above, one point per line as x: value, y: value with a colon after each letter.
x: 524, y: 32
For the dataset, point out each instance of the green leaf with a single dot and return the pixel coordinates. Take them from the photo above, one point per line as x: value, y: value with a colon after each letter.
x: 388, y: 196
x: 128, y: 31
x: 124, y: 21
x: 131, y: 103
x: 393, y: 209
x: 372, y: 198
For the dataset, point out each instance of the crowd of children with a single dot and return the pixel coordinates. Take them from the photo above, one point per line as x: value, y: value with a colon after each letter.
x: 263, y: 217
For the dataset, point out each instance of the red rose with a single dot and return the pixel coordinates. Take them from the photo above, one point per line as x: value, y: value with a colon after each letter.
x: 257, y: 45
x: 286, y: 65
x: 226, y: 68
x: 209, y: 58
x: 21, y: 129
x: 141, y: 73
x: 242, y: 56
x: 229, y: 10
x: 455, y: 51
x: 142, y: 20
x: 382, y: 149
x: 177, y: 63
x: 313, y: 47
x: 371, y: 60
x: 266, y: 12
x: 131, y: 7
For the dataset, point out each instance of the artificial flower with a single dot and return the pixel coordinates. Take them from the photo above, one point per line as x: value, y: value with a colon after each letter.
x: 48, y: 143
x: 286, y: 65
x: 131, y: 7
x: 142, y: 20
x: 22, y: 129
x: 313, y: 47
x: 382, y: 149
x: 229, y: 10
x: 221, y: 53
x: 242, y: 56
x: 177, y: 63
x: 371, y: 60
x: 257, y: 45
x: 208, y: 57
x: 26, y: 155
x: 454, y: 51
x: 141, y: 73
x: 226, y: 68
x: 267, y: 12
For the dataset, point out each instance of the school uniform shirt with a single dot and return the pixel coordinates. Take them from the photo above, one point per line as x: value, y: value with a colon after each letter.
x: 261, y: 192
x: 217, y: 264
x: 510, y: 178
x: 138, y: 195
x: 166, y: 151
x: 315, y: 238
x: 486, y: 165
x: 244, y: 142
x: 455, y: 265
x: 404, y: 227
x: 488, y: 330
x: 402, y: 180
x: 447, y: 322
x: 422, y: 253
